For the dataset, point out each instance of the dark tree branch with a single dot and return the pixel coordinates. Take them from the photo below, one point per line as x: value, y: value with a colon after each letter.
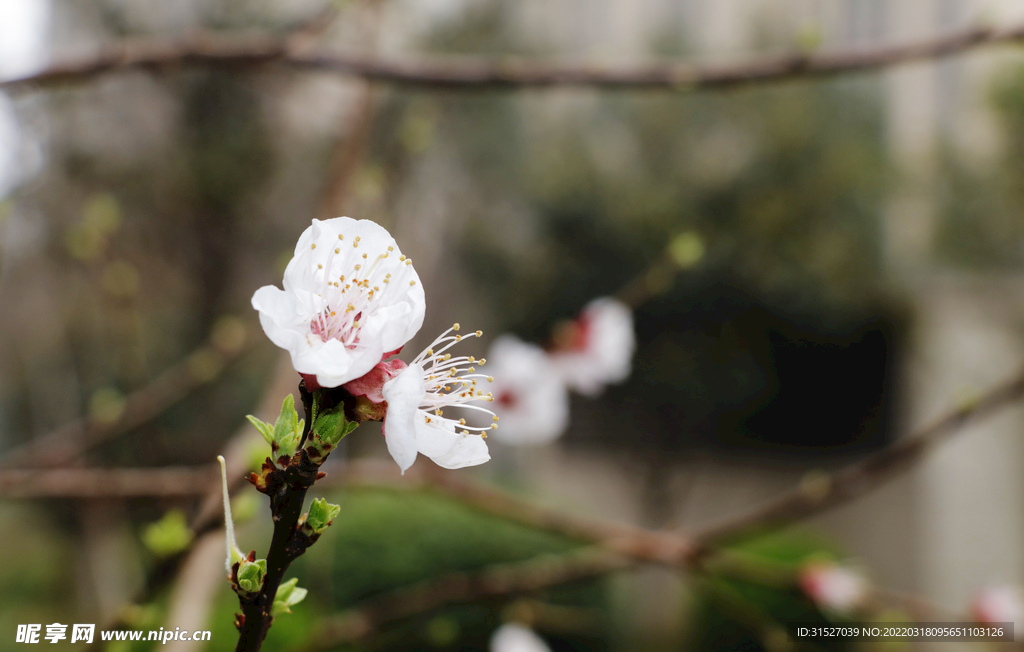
x: 469, y: 73
x: 498, y: 581
x: 829, y: 490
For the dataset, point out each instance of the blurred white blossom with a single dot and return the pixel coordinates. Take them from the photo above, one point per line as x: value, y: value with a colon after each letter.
x: 596, y: 349
x: 417, y: 398
x: 834, y: 587
x: 530, y: 396
x: 511, y: 637
x: 350, y: 299
x: 999, y: 604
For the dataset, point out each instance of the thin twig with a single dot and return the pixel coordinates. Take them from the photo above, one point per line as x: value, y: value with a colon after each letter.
x: 500, y: 580
x: 91, y: 483
x: 469, y: 73
x: 828, y: 490
x: 201, y: 367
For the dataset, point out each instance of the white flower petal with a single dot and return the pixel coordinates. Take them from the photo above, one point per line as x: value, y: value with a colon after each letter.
x: 348, y: 284
x: 447, y: 448
x: 403, y: 393
x: 605, y: 355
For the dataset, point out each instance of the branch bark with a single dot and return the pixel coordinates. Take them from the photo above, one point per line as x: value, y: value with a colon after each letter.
x: 473, y: 73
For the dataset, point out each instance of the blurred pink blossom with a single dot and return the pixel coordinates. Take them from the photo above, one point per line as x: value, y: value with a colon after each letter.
x: 834, y: 587
x: 999, y: 604
x: 596, y: 349
x: 530, y: 396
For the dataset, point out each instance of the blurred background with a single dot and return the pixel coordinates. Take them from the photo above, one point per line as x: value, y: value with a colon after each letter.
x: 857, y: 247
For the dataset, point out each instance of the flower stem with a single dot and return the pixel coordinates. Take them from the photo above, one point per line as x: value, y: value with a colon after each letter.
x: 285, y: 546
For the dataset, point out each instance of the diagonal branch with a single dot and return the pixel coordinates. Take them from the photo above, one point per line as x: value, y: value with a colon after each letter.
x: 452, y: 72
x: 828, y: 490
x: 498, y: 581
x: 201, y: 367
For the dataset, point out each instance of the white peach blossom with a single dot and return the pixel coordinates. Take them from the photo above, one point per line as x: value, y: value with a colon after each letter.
x: 349, y: 298
x: 418, y: 397
x: 833, y: 587
x: 999, y: 604
x: 596, y: 349
x: 529, y: 394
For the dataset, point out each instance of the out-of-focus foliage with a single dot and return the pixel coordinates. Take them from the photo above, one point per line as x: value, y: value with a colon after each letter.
x: 782, y: 337
x: 752, y: 611
x: 982, y: 205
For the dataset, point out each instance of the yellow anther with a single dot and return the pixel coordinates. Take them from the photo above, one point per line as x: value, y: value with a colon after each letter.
x: 455, y: 326
x: 483, y: 435
x: 337, y: 250
x: 465, y: 432
x: 364, y: 256
x: 412, y: 283
x: 471, y: 360
x: 494, y: 426
x: 447, y: 356
x: 430, y: 351
x: 458, y: 338
x: 341, y: 237
x: 333, y: 313
x: 495, y: 417
x: 490, y: 379
x: 391, y: 248
x: 402, y: 257
x: 313, y: 246
x: 428, y: 419
x: 358, y: 267
x: 355, y: 324
x: 483, y: 361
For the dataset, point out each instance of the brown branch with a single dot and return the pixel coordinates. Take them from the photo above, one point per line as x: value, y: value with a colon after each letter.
x: 91, y: 483
x: 621, y: 546
x: 201, y: 367
x: 828, y: 490
x: 670, y: 548
x: 468, y: 73
x: 500, y: 580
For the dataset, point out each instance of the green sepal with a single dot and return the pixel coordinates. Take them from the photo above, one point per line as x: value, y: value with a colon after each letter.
x: 331, y: 427
x: 320, y: 515
x: 288, y: 595
x: 251, y: 575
